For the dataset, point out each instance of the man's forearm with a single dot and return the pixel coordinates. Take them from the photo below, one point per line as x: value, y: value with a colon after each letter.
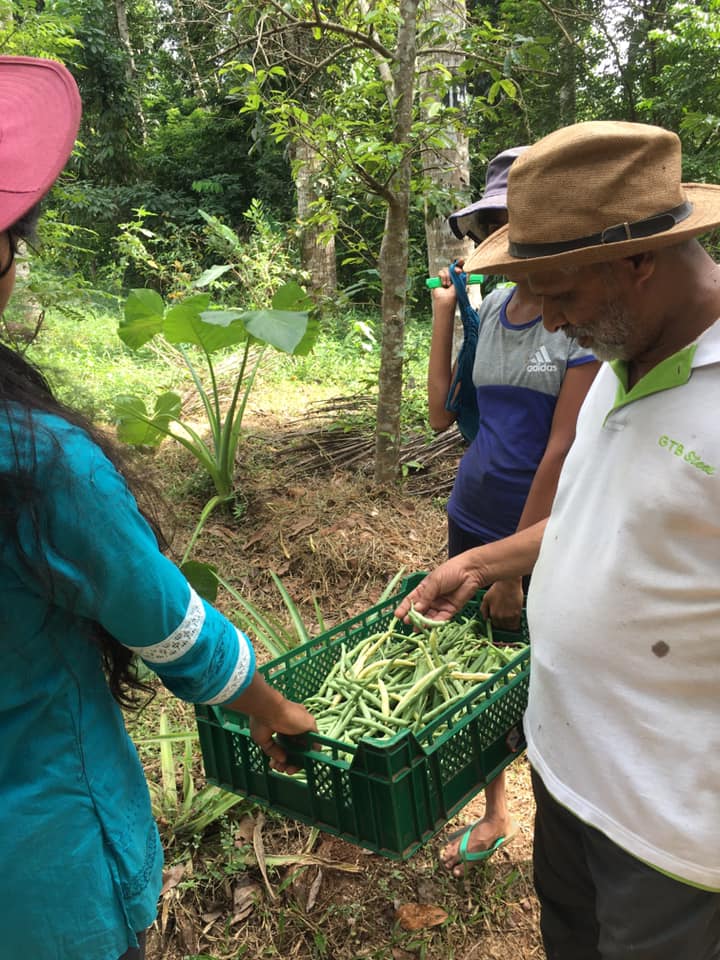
x: 448, y: 587
x: 512, y: 556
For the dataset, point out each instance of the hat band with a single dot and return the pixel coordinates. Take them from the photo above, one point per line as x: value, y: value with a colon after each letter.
x: 659, y: 223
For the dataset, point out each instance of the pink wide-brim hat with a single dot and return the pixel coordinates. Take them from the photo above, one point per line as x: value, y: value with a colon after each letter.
x: 40, y: 111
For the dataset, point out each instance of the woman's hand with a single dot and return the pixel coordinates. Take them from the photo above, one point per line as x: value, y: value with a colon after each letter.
x: 270, y: 713
x: 291, y: 719
x: 446, y: 291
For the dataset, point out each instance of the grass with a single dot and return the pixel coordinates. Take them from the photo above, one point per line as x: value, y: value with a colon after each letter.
x: 89, y: 365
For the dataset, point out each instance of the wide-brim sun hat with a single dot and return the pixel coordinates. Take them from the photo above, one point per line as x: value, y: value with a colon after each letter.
x: 595, y: 192
x: 469, y: 221
x: 40, y: 112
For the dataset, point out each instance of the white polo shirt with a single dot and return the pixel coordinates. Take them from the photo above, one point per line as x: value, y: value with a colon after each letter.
x: 623, y: 721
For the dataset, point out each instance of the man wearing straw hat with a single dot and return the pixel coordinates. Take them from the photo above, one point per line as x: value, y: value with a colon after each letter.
x: 623, y: 719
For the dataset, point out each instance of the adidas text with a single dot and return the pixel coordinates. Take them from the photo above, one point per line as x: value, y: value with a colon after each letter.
x: 541, y: 367
x: 540, y: 362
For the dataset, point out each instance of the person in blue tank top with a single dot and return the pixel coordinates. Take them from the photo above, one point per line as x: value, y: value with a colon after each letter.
x: 530, y: 385
x: 84, y: 589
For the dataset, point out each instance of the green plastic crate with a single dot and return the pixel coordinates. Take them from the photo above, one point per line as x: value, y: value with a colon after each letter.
x: 394, y: 794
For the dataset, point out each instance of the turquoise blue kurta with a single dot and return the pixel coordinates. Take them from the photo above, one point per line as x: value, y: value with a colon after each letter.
x: 80, y: 853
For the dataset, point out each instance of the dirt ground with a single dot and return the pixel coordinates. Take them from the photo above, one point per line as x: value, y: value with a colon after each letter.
x: 257, y: 885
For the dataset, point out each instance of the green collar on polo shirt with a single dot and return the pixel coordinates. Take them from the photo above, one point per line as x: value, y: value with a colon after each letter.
x: 671, y: 372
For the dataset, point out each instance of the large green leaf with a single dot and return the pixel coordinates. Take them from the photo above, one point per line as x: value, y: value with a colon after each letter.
x: 312, y: 331
x: 291, y: 296
x: 212, y: 273
x: 222, y: 318
x: 221, y: 229
x: 202, y: 576
x: 192, y: 322
x: 136, y: 426
x: 144, y: 312
x: 282, y: 329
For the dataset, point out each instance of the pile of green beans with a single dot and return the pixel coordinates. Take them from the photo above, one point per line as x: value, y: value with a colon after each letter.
x: 393, y: 681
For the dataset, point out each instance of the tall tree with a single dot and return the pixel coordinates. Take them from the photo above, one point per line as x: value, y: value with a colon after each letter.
x: 446, y: 165
x: 366, y: 125
x: 317, y: 245
x: 131, y: 74
x: 312, y: 182
x: 180, y: 19
x: 394, y: 249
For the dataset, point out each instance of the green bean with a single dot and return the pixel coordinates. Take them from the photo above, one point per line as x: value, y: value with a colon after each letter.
x: 391, y: 681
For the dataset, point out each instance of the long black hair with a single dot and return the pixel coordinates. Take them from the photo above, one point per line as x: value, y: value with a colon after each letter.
x: 26, y: 389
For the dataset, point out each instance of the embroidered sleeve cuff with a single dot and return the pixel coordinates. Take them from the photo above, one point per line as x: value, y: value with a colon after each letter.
x: 181, y: 640
x: 241, y: 675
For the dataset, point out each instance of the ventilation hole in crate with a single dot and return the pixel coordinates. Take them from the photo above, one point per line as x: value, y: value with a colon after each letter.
x: 242, y: 743
x: 454, y: 755
x: 325, y: 784
x: 345, y: 794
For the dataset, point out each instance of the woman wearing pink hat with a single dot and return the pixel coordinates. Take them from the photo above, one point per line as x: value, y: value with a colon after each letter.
x: 529, y: 387
x: 83, y: 589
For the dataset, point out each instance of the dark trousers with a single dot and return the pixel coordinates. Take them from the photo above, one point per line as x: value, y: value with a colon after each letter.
x: 138, y: 952
x: 460, y: 540
x: 599, y: 903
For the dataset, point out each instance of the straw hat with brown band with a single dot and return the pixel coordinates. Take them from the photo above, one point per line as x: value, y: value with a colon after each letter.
x: 594, y: 192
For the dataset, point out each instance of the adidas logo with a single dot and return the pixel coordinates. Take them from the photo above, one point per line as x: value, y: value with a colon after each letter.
x: 540, y: 362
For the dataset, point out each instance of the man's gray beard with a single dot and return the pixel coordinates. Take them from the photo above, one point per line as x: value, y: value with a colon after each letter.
x: 609, y: 351
x: 614, y: 344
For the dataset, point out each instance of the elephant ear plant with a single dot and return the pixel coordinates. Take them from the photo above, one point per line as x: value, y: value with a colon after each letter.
x: 289, y: 326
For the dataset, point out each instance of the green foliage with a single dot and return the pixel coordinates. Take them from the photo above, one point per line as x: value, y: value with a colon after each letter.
x: 151, y: 137
x: 112, y: 125
x: 255, y: 266
x: 166, y: 258
x: 654, y: 63
x: 265, y: 628
x: 686, y: 94
x: 203, y: 578
x: 139, y: 233
x: 338, y: 97
x: 181, y: 811
x: 226, y: 159
x: 33, y: 29
x: 288, y: 326
x: 166, y: 128
x: 338, y: 364
x: 88, y: 365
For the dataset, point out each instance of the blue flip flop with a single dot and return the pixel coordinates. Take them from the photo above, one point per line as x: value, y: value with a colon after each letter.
x: 474, y: 856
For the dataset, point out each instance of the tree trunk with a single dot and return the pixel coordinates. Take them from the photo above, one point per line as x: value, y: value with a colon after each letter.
x: 131, y: 70
x: 568, y: 50
x: 448, y: 168
x: 394, y: 257
x: 317, y: 252
x: 198, y: 88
